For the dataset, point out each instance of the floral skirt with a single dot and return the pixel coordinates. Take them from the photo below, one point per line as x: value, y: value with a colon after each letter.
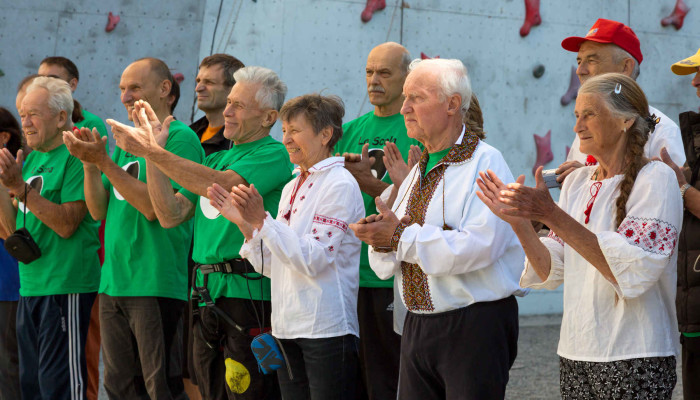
x: 637, y: 378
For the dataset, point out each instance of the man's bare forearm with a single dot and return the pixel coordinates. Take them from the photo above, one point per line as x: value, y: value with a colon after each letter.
x: 171, y: 208
x: 193, y: 176
x: 95, y: 193
x: 133, y: 190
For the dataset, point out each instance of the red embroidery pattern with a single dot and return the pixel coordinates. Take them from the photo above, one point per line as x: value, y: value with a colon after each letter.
x: 554, y: 236
x: 650, y: 234
x: 416, y: 288
x: 322, y: 219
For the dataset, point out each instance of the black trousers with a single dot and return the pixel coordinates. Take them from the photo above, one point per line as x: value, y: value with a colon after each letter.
x: 460, y: 354
x: 222, y: 361
x: 691, y: 367
x: 380, y: 346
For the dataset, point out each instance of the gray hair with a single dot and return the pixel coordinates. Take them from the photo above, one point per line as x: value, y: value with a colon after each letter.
x: 272, y: 90
x: 452, y: 78
x: 405, y: 62
x: 60, y: 96
x: 620, y: 55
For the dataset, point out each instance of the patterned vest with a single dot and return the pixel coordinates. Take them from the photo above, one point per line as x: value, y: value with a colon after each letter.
x: 416, y: 290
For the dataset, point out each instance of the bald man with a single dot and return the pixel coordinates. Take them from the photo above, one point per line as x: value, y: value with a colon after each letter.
x: 386, y: 70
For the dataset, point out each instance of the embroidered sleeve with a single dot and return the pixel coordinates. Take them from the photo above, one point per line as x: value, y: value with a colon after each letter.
x: 649, y: 234
x: 397, y: 236
x: 554, y: 237
x: 334, y: 222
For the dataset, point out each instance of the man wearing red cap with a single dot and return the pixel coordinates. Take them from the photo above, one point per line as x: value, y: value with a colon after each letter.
x: 611, y: 46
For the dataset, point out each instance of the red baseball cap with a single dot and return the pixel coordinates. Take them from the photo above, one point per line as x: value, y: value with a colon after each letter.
x: 608, y: 31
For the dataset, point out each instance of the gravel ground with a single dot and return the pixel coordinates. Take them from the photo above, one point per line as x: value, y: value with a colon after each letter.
x: 535, y: 374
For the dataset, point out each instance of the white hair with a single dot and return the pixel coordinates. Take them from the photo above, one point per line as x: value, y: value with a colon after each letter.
x: 620, y: 54
x: 452, y: 78
x: 60, y: 96
x: 272, y: 90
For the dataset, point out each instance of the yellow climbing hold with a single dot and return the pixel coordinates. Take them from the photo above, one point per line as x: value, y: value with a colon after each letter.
x: 237, y: 376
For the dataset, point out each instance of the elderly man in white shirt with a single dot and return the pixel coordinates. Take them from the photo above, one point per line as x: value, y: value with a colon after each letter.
x: 457, y: 264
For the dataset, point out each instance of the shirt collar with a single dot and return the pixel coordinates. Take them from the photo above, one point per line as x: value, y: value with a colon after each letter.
x: 325, y: 164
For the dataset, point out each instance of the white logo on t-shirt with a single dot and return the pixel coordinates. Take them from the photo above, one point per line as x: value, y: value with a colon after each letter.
x: 207, y: 209
x: 133, y: 168
x: 37, y: 183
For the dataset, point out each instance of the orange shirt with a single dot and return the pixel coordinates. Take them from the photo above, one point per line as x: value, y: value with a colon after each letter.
x: 209, y: 133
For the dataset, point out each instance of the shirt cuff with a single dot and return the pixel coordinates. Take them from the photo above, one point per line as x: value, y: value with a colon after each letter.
x: 397, y: 236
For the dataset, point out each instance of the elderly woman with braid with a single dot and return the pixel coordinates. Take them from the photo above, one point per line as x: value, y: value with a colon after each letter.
x: 612, y: 245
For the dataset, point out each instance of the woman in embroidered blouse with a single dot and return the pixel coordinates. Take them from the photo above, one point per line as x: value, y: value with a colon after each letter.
x: 308, y: 252
x: 612, y: 245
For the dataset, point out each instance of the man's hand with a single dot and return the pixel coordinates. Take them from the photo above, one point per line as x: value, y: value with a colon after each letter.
x: 397, y: 168
x: 360, y: 166
x: 377, y: 230
x: 533, y: 203
x: 566, y: 168
x: 11, y: 171
x: 680, y: 172
x: 86, y: 145
x: 146, y: 136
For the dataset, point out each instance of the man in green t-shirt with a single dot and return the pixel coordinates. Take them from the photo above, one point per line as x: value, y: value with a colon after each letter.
x: 387, y: 67
x: 63, y: 68
x: 143, y: 289
x: 59, y: 287
x: 230, y: 295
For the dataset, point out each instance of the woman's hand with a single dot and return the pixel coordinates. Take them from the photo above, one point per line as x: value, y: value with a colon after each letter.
x: 250, y: 204
x: 527, y: 202
x: 491, y: 187
x: 220, y: 199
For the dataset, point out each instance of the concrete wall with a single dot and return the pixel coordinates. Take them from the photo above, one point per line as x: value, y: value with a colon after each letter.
x: 321, y: 45
x: 33, y: 29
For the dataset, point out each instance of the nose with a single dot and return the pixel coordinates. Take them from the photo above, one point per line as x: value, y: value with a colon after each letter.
x: 696, y: 80
x: 374, y: 78
x: 26, y: 121
x: 199, y: 87
x: 127, y: 97
x: 406, y: 107
x: 228, y: 111
x: 581, y: 70
x: 578, y: 125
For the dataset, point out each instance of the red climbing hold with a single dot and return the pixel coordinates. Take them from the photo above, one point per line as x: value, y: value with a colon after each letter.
x: 179, y: 77
x: 677, y: 16
x: 572, y: 91
x: 424, y: 56
x: 371, y: 7
x: 544, y: 150
x: 532, y: 16
x: 112, y: 21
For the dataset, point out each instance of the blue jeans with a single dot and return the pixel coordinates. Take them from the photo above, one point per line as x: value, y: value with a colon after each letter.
x: 323, y: 369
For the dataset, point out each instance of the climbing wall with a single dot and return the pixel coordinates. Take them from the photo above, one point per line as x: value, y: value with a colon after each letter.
x: 517, y: 67
x: 31, y: 30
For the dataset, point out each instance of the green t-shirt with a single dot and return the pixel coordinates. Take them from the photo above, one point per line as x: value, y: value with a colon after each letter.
x: 66, y: 265
x: 263, y: 163
x: 434, y: 159
x: 141, y: 257
x: 376, y: 131
x: 91, y: 120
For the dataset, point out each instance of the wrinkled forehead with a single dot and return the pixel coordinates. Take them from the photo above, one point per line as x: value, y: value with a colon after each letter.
x: 138, y: 73
x: 244, y: 92
x: 421, y: 79
x: 36, y: 99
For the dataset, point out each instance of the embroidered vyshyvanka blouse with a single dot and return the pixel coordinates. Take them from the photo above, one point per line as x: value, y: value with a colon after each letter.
x: 636, y: 317
x: 311, y: 255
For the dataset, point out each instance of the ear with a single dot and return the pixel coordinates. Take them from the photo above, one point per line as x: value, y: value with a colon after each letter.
x: 454, y: 104
x: 270, y: 118
x: 326, y: 135
x: 165, y: 87
x: 628, y: 123
x: 62, y: 119
x: 628, y: 67
x: 5, y: 138
x: 73, y: 83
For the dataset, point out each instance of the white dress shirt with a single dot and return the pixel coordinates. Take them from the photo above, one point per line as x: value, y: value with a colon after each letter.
x: 636, y: 317
x: 666, y: 134
x: 479, y: 259
x: 310, y: 254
